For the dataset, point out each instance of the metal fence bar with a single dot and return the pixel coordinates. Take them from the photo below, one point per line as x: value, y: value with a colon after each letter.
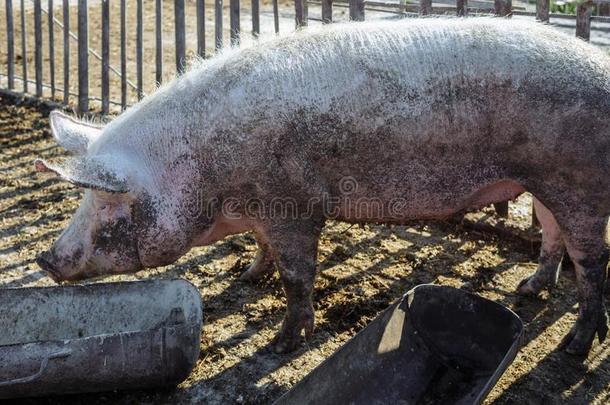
x: 583, y: 20
x: 139, y: 38
x: 356, y: 10
x: 24, y: 57
x: 300, y: 13
x: 83, y: 58
x: 180, y: 36
x: 201, y: 28
x: 66, y: 18
x: 425, y: 7
x: 542, y: 10
x: 158, y: 41
x: 123, y: 58
x: 38, y: 47
x: 327, y: 11
x: 461, y: 7
x: 256, y: 21
x: 10, y: 46
x: 51, y: 48
x: 105, y: 56
x: 276, y: 17
x: 234, y: 21
x: 218, y: 25
x: 503, y: 7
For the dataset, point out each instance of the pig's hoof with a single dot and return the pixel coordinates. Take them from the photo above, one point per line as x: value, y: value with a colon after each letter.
x: 532, y: 286
x: 579, y: 340
x: 257, y: 269
x: 289, y: 336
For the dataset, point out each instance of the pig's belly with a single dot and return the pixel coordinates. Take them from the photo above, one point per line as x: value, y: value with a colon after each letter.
x: 425, y: 204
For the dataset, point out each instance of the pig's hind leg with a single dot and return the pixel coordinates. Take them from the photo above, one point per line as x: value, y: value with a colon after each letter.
x: 584, y: 237
x: 551, y: 253
x: 263, y: 264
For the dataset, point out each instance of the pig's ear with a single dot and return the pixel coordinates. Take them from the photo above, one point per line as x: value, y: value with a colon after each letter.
x: 87, y: 173
x: 73, y: 135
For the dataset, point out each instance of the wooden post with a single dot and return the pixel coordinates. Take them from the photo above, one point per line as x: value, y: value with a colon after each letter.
x: 501, y: 209
x: 38, y: 46
x: 425, y: 7
x: 256, y: 24
x: 51, y: 48
x: 327, y: 11
x: 218, y: 25
x: 461, y: 7
x: 535, y: 222
x: 180, y: 36
x: 105, y: 56
x: 543, y: 8
x: 583, y: 20
x: 356, y: 10
x: 10, y: 46
x: 83, y: 58
x: 123, y: 58
x: 139, y: 38
x: 234, y: 21
x: 503, y: 7
x: 201, y: 28
x: 24, y: 55
x: 300, y: 13
x: 158, y: 41
x: 66, y: 22
x: 276, y: 17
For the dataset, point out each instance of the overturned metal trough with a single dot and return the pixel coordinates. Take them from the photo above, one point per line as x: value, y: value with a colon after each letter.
x: 435, y: 345
x: 97, y: 337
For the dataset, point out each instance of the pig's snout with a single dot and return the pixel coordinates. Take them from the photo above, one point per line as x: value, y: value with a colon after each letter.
x: 47, y: 263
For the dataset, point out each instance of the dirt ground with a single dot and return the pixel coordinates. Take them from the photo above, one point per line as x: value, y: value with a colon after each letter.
x: 361, y: 271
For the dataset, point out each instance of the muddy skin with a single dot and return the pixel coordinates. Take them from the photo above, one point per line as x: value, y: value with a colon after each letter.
x: 454, y: 118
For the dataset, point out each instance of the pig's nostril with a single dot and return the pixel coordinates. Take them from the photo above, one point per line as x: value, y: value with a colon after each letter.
x: 48, y: 267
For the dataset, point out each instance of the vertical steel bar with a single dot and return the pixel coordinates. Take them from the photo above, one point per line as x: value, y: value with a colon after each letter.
x: 38, y: 46
x: 66, y: 22
x: 139, y: 38
x: 276, y: 17
x: 201, y: 28
x: 356, y: 10
x: 542, y: 10
x: 461, y: 7
x: 105, y: 56
x: 256, y: 22
x: 10, y: 45
x: 51, y: 48
x: 83, y: 58
x: 327, y: 11
x: 180, y: 35
x: 583, y: 20
x: 503, y: 7
x: 234, y: 21
x: 24, y: 54
x: 123, y: 58
x: 425, y: 7
x: 158, y: 41
x: 218, y: 25
x: 300, y: 13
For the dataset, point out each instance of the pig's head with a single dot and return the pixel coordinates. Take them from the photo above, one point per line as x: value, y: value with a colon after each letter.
x: 118, y: 227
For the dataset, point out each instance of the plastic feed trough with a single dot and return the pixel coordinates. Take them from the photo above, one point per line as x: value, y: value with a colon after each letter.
x: 435, y: 345
x: 97, y: 337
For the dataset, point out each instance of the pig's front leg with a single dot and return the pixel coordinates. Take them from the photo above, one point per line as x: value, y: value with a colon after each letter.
x: 295, y: 247
x: 263, y: 264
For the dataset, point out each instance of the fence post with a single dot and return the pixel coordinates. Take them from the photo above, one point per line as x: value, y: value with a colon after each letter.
x: 66, y: 55
x: 356, y: 10
x: 180, y: 36
x: 51, y: 48
x: 583, y: 20
x: 123, y: 58
x: 256, y: 23
x: 276, y: 17
x: 234, y: 21
x: 327, y: 11
x: 139, y: 35
x: 38, y: 46
x: 24, y: 57
x: 503, y: 7
x: 542, y: 10
x: 201, y: 28
x: 300, y: 13
x: 158, y: 41
x: 105, y: 55
x: 461, y: 7
x: 218, y: 25
x: 425, y: 7
x: 10, y: 48
x: 83, y: 58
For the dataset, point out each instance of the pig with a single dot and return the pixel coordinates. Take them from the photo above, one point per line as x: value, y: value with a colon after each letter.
x: 382, y: 122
